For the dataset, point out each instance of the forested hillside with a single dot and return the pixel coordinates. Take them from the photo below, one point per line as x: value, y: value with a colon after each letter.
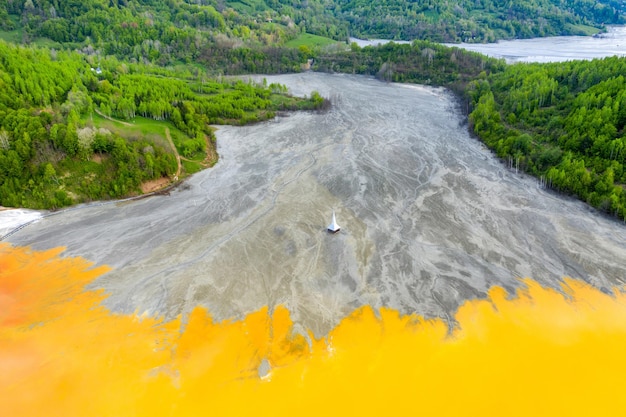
x: 162, y: 31
x: 53, y: 151
x: 564, y: 123
x: 157, y: 31
x: 476, y: 20
x: 166, y: 31
x: 420, y: 62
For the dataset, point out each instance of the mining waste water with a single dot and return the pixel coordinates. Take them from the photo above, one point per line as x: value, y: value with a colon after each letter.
x: 555, y: 48
x: 429, y: 218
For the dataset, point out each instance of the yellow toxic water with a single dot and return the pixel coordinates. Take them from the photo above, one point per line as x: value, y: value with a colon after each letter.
x: 534, y: 353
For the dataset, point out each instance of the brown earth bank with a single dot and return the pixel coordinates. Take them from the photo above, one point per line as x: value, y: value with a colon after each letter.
x: 155, y: 185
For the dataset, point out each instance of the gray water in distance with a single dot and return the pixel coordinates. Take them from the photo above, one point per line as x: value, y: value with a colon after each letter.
x: 548, y: 49
x: 556, y: 48
x: 373, y: 42
x: 429, y: 218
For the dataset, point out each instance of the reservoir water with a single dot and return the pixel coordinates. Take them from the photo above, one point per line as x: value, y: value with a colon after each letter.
x: 429, y: 218
x: 556, y: 48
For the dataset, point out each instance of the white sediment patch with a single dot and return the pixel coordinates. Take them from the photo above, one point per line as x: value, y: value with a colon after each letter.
x: 555, y: 48
x: 11, y: 219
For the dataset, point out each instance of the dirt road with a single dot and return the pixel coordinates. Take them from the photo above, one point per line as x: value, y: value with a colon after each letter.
x: 175, y: 151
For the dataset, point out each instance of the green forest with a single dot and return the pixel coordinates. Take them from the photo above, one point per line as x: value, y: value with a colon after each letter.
x: 420, y: 62
x: 167, y: 31
x: 476, y: 20
x: 55, y: 151
x: 162, y: 31
x: 562, y: 122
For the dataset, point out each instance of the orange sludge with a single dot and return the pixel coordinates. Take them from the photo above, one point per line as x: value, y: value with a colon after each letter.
x: 538, y: 352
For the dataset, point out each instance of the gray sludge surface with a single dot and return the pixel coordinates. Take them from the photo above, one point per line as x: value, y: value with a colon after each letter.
x: 429, y: 218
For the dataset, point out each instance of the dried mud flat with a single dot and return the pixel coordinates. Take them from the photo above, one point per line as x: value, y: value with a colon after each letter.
x: 429, y: 218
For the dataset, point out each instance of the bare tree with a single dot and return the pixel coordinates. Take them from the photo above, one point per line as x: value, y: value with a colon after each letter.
x: 386, y: 72
x: 4, y: 139
x: 429, y: 54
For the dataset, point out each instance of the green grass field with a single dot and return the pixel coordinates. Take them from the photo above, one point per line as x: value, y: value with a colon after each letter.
x: 583, y: 29
x: 13, y: 36
x: 311, y: 41
x: 152, y: 131
x: 17, y: 36
x: 136, y: 129
x: 432, y: 15
x: 248, y: 6
x: 191, y: 167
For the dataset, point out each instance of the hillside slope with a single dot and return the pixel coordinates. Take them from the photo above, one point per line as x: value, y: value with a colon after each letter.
x: 165, y: 31
x: 564, y: 123
x: 476, y: 21
x: 62, y: 141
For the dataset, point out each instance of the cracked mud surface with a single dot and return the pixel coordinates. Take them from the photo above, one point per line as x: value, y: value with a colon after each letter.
x: 429, y: 218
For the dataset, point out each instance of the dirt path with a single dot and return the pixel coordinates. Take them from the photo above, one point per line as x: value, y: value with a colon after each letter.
x: 209, y: 158
x: 202, y: 164
x: 167, y: 135
x: 111, y: 119
x: 209, y: 154
x: 169, y: 139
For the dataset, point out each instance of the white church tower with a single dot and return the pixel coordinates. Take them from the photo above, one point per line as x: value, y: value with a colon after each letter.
x: 333, y: 227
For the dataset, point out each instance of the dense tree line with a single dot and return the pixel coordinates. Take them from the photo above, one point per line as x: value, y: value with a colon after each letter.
x: 260, y: 60
x: 51, y: 156
x: 475, y: 20
x: 158, y: 31
x: 563, y: 123
x: 46, y: 156
x: 168, y: 31
x: 419, y: 62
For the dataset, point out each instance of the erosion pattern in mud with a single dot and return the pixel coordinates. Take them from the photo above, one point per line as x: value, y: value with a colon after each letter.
x: 429, y: 218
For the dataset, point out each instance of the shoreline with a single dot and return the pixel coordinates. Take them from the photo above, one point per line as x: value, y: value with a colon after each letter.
x: 19, y: 217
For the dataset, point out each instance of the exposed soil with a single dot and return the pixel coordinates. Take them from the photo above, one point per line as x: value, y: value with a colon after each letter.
x: 154, y: 185
x: 175, y: 151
